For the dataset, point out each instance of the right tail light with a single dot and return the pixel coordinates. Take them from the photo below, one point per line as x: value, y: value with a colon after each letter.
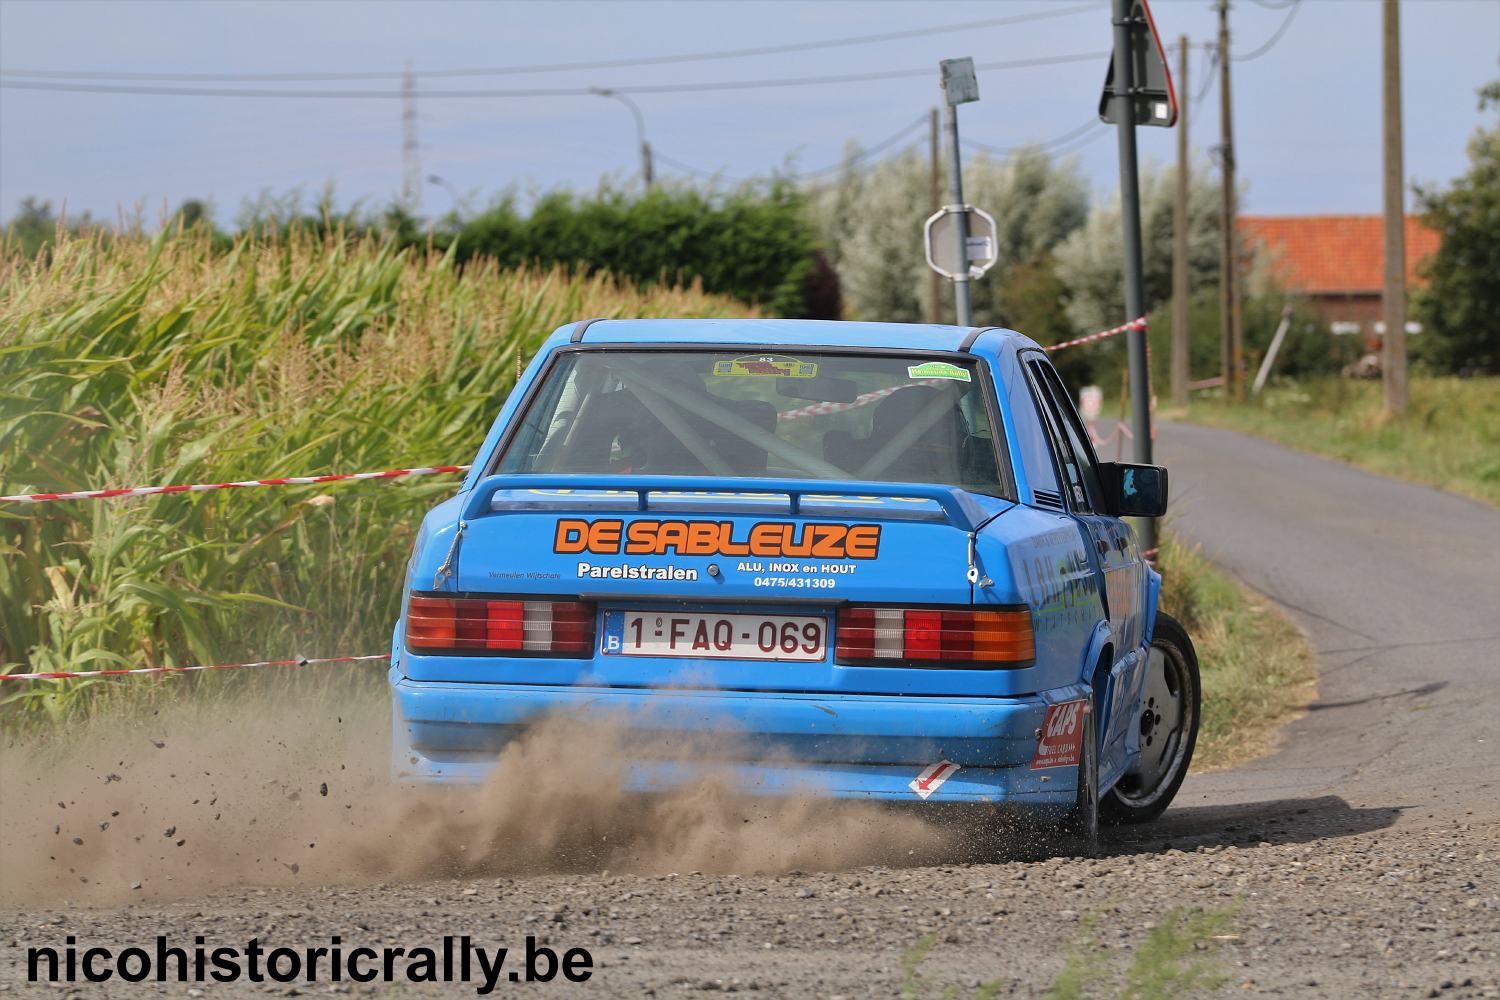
x: 936, y: 637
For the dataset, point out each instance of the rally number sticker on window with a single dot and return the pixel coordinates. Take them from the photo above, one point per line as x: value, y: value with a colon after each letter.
x: 769, y: 365
x: 1061, y: 742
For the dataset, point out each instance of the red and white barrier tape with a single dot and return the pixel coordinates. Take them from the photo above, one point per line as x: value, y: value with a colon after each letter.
x: 817, y: 409
x: 142, y: 491
x: 1135, y: 324
x: 299, y: 662
x: 864, y: 399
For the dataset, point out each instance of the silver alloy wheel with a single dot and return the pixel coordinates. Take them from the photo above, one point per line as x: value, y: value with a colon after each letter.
x: 1166, y: 717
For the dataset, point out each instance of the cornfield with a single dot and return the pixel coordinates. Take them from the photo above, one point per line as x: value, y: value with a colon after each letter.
x: 133, y: 361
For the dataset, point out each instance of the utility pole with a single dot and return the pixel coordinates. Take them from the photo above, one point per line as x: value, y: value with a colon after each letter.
x: 411, y: 163
x: 935, y: 187
x: 1393, y: 359
x: 1180, y: 344
x: 1232, y: 350
x: 1130, y: 214
x: 959, y: 87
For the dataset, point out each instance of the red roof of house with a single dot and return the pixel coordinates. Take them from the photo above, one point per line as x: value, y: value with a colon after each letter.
x: 1334, y: 253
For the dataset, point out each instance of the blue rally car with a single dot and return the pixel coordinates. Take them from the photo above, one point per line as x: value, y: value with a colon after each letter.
x: 886, y: 556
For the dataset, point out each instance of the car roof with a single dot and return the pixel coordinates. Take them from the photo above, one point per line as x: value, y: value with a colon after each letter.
x: 801, y: 332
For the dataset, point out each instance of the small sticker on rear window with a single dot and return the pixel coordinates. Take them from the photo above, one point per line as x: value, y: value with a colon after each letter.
x: 767, y: 365
x: 938, y: 369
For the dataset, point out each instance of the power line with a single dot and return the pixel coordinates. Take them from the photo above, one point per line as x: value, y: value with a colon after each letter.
x: 1057, y: 144
x: 849, y: 161
x: 1085, y: 139
x: 153, y: 90
x: 1061, y: 140
x: 1291, y: 13
x: 1087, y: 133
x: 1210, y: 63
x: 657, y: 88
x: 156, y: 90
x: 764, y: 50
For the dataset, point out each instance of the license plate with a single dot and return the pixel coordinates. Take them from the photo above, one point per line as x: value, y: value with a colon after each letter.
x: 721, y: 637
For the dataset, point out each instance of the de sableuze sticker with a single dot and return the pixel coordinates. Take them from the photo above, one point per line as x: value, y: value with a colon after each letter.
x: 1061, y: 742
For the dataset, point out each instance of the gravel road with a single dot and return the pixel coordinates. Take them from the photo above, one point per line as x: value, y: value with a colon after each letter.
x: 1362, y: 858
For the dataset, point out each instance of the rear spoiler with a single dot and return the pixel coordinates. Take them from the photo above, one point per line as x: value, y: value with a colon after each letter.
x: 960, y: 509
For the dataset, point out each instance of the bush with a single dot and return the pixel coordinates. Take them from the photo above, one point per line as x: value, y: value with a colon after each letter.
x: 752, y: 244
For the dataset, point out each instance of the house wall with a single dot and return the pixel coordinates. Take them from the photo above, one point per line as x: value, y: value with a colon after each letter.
x: 1363, y: 308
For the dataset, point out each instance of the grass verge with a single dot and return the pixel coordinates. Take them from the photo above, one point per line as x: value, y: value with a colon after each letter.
x: 1258, y: 671
x: 1450, y: 436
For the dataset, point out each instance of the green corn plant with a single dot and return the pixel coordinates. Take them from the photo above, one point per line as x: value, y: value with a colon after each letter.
x: 129, y: 361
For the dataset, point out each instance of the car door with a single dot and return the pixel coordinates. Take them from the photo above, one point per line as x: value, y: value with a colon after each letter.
x: 1116, y: 554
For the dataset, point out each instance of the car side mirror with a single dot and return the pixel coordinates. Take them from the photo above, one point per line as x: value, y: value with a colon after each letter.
x: 1134, y: 490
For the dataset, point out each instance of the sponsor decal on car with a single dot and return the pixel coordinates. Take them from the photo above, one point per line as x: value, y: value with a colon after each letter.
x: 765, y: 539
x: 938, y: 369
x: 932, y: 778
x: 588, y: 571
x: 1061, y: 742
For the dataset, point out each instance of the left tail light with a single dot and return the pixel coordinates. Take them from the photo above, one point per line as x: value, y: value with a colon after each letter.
x: 483, y: 625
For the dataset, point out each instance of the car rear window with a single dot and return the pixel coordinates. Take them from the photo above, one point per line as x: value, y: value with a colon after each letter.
x: 793, y: 414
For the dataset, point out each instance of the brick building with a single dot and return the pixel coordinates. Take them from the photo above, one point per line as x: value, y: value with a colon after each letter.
x: 1337, y: 262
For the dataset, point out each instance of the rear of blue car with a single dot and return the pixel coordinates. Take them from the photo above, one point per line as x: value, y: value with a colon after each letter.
x: 796, y: 557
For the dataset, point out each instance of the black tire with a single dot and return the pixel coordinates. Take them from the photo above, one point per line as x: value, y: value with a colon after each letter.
x: 1167, y: 743
x: 1082, y: 821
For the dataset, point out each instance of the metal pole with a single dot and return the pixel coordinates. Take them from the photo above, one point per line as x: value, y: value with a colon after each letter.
x: 647, y: 171
x: 935, y: 182
x: 1393, y: 361
x: 1181, y: 347
x: 1270, y: 359
x: 961, y: 230
x: 446, y: 185
x: 411, y: 155
x: 1130, y: 215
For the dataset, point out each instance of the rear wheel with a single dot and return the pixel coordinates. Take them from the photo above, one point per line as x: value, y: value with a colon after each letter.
x: 1168, y: 725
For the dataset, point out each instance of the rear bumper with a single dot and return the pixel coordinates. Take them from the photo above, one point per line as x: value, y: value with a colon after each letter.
x: 839, y: 746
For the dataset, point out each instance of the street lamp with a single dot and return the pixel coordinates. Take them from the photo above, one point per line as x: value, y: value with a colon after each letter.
x: 647, y: 173
x: 446, y: 185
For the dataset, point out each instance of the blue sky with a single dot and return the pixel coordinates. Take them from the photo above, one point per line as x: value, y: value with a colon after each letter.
x: 1307, y: 114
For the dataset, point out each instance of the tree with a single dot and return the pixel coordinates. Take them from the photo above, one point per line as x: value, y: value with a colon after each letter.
x: 32, y: 227
x: 1460, y: 307
x: 1091, y: 262
x: 871, y: 220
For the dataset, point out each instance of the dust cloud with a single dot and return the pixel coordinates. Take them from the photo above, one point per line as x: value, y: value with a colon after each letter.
x: 268, y: 793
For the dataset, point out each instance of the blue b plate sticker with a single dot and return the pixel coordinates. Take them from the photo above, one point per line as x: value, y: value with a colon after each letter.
x: 614, y: 633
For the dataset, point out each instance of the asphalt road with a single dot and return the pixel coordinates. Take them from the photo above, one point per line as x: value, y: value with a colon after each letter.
x: 1361, y: 858
x: 1398, y: 587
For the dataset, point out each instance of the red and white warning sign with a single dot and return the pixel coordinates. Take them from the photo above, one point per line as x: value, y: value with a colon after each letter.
x: 932, y: 778
x: 1061, y: 742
